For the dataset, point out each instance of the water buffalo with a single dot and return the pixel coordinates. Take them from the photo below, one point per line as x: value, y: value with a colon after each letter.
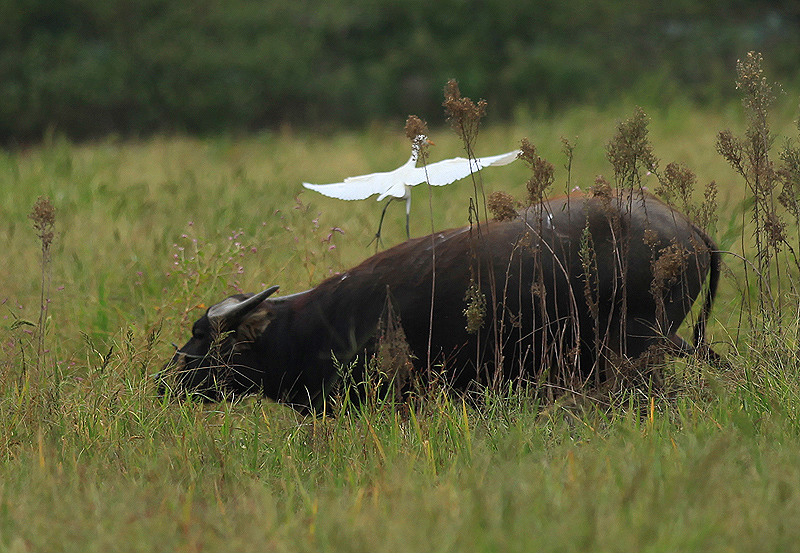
x: 562, y: 293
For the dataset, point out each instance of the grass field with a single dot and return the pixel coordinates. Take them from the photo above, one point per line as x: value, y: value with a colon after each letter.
x: 150, y: 232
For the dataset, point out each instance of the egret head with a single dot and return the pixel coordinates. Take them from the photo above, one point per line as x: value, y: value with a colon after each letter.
x: 419, y: 144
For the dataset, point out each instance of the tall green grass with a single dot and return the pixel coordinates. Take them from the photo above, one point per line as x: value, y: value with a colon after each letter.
x: 147, y: 233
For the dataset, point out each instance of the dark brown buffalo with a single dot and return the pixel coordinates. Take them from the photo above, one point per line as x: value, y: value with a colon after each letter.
x: 565, y: 288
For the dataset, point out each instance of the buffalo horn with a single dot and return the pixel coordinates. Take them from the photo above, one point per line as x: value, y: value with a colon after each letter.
x: 229, y: 312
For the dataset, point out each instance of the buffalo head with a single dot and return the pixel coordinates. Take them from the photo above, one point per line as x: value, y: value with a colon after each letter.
x: 206, y: 364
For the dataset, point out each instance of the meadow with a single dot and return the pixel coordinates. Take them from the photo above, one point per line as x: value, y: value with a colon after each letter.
x: 147, y: 233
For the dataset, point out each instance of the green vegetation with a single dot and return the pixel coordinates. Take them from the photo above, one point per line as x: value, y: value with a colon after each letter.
x: 146, y: 233
x: 134, y: 67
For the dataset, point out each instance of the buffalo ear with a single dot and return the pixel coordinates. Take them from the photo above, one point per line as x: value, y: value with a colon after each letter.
x: 252, y: 326
x: 230, y: 312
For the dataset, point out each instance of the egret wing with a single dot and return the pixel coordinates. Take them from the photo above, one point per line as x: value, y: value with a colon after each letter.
x: 389, y: 183
x: 354, y: 188
x: 451, y: 170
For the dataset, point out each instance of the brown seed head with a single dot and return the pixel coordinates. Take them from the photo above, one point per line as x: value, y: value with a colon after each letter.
x: 676, y: 185
x: 43, y: 216
x: 543, y: 172
x: 758, y: 93
x: 464, y: 115
x: 416, y: 128
x: 501, y: 204
x: 475, y: 311
x: 601, y: 187
x: 630, y: 150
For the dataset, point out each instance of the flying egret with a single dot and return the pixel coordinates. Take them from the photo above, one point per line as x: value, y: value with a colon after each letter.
x: 397, y: 184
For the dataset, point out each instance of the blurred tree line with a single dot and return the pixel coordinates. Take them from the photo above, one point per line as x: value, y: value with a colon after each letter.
x: 90, y: 67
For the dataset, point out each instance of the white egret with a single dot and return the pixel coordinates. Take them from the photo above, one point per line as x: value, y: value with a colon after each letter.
x: 397, y: 184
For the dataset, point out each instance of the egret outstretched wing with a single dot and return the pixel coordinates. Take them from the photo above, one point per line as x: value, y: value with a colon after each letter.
x: 451, y: 170
x: 353, y: 188
x: 389, y: 183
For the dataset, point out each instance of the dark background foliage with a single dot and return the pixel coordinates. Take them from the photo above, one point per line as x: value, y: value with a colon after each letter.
x: 92, y: 67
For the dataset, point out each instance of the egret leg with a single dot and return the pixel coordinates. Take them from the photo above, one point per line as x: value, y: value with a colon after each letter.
x: 380, y: 223
x: 408, y: 212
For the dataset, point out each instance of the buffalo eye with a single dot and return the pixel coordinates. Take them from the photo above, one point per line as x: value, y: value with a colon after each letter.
x: 198, y: 334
